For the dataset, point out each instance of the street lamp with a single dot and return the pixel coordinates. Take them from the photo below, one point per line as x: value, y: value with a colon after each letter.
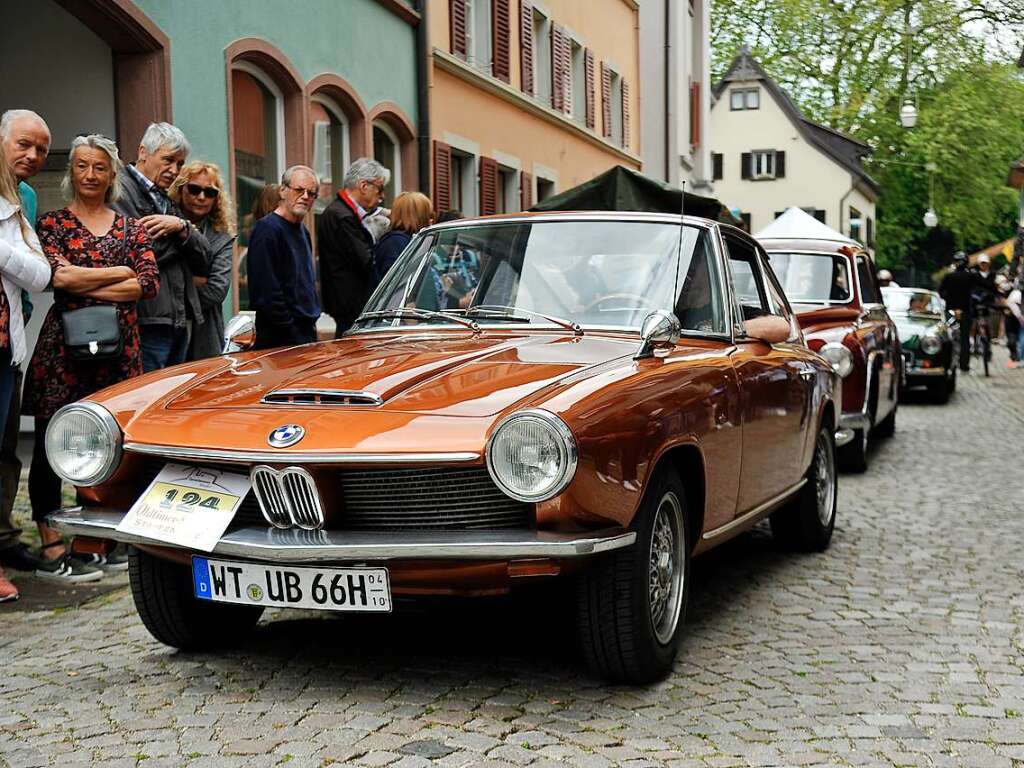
x: 930, y: 218
x: 908, y: 114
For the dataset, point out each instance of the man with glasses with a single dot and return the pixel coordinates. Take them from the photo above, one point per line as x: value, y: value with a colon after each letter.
x: 282, y: 286
x: 345, y: 245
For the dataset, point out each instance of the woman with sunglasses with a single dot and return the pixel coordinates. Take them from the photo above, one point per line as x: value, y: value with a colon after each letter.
x: 199, y: 192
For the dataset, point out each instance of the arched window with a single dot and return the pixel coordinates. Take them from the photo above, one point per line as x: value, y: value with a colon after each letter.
x: 331, y: 145
x: 387, y: 151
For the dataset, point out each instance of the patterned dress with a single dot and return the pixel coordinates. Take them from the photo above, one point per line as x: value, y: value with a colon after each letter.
x: 53, y: 380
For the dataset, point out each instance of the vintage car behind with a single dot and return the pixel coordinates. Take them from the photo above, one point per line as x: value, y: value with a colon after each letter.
x: 832, y: 284
x: 930, y: 346
x: 525, y: 398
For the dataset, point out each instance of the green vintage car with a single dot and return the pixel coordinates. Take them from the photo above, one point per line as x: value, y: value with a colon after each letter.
x: 930, y: 343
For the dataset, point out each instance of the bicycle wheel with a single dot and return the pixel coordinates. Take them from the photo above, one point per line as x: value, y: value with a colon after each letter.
x: 986, y: 352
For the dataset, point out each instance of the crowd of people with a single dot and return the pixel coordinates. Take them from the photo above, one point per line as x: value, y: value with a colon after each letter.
x: 140, y: 262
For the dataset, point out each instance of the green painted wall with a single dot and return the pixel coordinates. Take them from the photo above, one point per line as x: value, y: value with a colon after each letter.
x: 359, y: 40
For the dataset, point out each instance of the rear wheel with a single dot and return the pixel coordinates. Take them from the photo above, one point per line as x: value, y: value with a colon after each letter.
x: 806, y: 523
x: 951, y: 381
x: 165, y: 601
x: 986, y: 352
x: 887, y: 426
x: 632, y: 603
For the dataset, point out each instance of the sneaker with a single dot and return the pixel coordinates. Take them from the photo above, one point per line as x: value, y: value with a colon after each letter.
x: 115, y: 560
x: 19, y: 558
x: 68, y: 569
x: 8, y: 592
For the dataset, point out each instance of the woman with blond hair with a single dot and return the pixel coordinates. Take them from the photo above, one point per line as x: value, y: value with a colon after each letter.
x: 411, y: 212
x: 199, y: 192
x: 22, y: 266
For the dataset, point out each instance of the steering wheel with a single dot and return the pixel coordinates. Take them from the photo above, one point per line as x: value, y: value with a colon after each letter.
x: 641, y: 300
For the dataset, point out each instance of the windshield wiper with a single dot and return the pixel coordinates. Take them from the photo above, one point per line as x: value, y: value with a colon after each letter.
x: 509, y: 313
x: 418, y: 314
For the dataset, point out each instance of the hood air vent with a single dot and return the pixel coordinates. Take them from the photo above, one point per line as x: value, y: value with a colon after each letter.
x: 322, y: 397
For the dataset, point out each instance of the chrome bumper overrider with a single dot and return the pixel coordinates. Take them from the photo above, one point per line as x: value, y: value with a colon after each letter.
x: 302, y: 546
x: 854, y: 421
x: 843, y: 436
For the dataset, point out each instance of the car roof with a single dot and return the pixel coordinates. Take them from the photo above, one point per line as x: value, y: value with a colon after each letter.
x: 623, y: 216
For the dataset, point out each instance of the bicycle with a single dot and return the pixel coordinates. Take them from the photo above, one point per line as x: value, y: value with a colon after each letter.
x: 981, y: 332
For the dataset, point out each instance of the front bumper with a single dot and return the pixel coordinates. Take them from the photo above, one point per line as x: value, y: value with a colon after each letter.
x: 848, y: 422
x: 926, y: 373
x: 295, y: 546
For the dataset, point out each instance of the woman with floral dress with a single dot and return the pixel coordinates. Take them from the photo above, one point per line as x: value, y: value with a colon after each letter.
x: 98, y: 257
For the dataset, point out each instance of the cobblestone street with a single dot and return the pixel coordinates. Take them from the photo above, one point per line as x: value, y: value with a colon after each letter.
x: 902, y: 645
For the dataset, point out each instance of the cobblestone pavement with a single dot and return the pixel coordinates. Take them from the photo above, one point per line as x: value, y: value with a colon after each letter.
x: 900, y: 646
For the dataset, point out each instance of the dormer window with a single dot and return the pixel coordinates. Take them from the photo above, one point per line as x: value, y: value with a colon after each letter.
x: 744, y: 98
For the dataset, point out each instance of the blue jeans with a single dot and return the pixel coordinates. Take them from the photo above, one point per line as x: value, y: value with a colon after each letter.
x: 1020, y: 343
x: 162, y: 345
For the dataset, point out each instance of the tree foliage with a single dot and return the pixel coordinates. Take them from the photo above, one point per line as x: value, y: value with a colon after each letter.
x: 850, y: 64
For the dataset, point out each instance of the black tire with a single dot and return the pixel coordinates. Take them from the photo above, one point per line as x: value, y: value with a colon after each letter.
x: 951, y: 381
x: 887, y: 426
x: 806, y: 523
x: 622, y: 639
x: 986, y: 353
x: 853, y: 457
x: 939, y: 391
x: 165, y: 602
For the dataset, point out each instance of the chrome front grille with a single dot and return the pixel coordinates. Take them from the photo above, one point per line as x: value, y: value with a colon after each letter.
x: 437, y: 498
x: 288, y: 497
x: 322, y: 397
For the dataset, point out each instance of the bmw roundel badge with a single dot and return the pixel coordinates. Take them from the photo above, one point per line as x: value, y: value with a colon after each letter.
x: 288, y: 434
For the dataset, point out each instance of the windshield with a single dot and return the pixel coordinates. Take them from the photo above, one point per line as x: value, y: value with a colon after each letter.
x: 816, y: 278
x: 918, y: 302
x: 608, y: 274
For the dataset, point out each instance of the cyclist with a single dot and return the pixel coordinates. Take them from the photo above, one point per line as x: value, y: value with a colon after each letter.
x: 956, y: 288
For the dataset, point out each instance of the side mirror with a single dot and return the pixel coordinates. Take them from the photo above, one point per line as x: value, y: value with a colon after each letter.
x: 771, y: 329
x: 239, y: 334
x: 660, y: 329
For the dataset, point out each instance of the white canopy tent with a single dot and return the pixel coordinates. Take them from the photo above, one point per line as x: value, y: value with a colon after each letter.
x: 797, y: 224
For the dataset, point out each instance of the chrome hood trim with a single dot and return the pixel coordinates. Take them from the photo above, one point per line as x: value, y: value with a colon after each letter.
x: 303, y: 396
x: 297, y: 457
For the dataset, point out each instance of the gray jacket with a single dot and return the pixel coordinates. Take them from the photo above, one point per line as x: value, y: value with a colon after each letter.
x: 178, y: 301
x: 208, y: 339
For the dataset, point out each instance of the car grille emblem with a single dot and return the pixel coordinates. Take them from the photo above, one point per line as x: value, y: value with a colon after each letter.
x: 286, y: 435
x: 288, y: 497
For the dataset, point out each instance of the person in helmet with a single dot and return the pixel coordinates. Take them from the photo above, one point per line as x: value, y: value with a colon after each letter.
x: 885, y: 279
x: 956, y: 288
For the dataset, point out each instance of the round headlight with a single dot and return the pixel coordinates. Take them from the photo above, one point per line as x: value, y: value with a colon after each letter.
x: 839, y: 356
x: 532, y: 455
x: 83, y: 443
x: 930, y: 344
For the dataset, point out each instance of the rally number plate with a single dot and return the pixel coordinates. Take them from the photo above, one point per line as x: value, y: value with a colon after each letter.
x: 327, y: 589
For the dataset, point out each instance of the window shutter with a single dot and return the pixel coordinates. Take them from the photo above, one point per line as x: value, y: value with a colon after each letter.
x: 442, y: 177
x: 525, y: 190
x: 588, y: 88
x: 558, y: 94
x: 716, y: 166
x: 606, y: 101
x: 457, y: 23
x: 819, y: 214
x: 501, y: 66
x: 780, y: 165
x: 695, y: 114
x: 625, y: 114
x: 745, y: 218
x: 745, y: 160
x: 526, y: 46
x: 488, y: 186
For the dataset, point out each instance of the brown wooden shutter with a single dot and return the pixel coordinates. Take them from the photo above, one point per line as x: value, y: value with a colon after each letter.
x: 457, y: 23
x: 558, y: 95
x: 746, y: 160
x: 780, y: 165
x: 625, y: 114
x: 716, y: 166
x: 526, y: 46
x: 695, y: 114
x: 588, y: 87
x: 488, y: 186
x: 606, y: 101
x: 501, y: 66
x: 442, y: 177
x: 525, y: 190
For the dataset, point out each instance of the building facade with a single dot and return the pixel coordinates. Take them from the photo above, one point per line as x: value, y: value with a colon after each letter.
x: 767, y: 157
x: 675, y: 92
x: 529, y: 97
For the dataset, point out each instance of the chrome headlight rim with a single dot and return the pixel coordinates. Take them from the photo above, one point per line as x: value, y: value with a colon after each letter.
x: 930, y: 344
x: 844, y: 365
x: 569, y: 454
x: 107, y: 422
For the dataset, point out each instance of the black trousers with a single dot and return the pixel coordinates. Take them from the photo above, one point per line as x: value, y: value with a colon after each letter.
x: 270, y: 334
x: 10, y: 467
x: 1011, y: 327
x: 44, y: 485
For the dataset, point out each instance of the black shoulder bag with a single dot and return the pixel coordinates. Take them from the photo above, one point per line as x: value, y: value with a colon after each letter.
x: 94, y: 333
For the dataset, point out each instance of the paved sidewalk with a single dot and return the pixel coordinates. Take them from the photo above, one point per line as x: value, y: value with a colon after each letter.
x: 903, y: 645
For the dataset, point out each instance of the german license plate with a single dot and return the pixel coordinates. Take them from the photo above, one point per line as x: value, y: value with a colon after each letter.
x: 326, y: 589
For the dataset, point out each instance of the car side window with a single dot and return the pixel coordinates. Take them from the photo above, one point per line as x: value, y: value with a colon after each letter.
x: 866, y: 275
x: 748, y: 287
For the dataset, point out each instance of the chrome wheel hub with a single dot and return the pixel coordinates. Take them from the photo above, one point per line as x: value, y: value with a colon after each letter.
x: 665, y: 568
x: 825, y: 479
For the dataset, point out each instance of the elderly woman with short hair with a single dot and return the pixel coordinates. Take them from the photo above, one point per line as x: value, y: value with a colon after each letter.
x: 97, y: 257
x: 200, y: 194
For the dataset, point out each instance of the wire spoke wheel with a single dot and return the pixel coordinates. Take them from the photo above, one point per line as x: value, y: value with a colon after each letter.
x: 665, y: 568
x: 825, y: 479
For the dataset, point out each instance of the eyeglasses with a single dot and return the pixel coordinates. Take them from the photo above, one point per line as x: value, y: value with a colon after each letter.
x: 379, y: 186
x: 196, y: 191
x: 303, y: 191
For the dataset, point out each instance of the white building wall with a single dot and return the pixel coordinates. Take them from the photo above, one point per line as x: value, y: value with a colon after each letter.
x: 812, y: 180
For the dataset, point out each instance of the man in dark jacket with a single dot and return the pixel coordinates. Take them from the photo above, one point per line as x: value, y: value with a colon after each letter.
x: 956, y: 288
x: 181, y: 250
x: 344, y: 244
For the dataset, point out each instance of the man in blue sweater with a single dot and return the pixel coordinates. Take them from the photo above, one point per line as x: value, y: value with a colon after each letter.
x: 282, y: 286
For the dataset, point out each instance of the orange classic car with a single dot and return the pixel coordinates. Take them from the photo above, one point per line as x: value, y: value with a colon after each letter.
x: 597, y: 397
x: 834, y: 289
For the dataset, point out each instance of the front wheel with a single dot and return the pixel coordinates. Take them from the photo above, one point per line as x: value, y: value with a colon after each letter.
x: 165, y: 602
x: 806, y: 523
x: 986, y: 352
x: 939, y: 391
x: 631, y: 604
x: 853, y: 457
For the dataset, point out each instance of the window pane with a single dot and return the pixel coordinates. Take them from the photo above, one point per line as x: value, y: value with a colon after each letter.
x: 812, y: 277
x: 753, y: 98
x: 868, y: 292
x: 736, y: 100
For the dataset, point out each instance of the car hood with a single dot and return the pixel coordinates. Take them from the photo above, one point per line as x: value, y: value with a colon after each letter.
x: 439, y: 373
x: 909, y: 326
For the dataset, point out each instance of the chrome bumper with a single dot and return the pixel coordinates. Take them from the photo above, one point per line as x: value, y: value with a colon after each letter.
x: 853, y: 421
x: 843, y: 436
x: 300, y: 546
x: 913, y: 373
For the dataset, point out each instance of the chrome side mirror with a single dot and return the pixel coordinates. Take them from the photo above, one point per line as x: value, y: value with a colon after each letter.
x: 660, y: 329
x: 239, y: 334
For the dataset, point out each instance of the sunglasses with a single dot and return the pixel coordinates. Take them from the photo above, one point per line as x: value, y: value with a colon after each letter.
x: 195, y: 190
